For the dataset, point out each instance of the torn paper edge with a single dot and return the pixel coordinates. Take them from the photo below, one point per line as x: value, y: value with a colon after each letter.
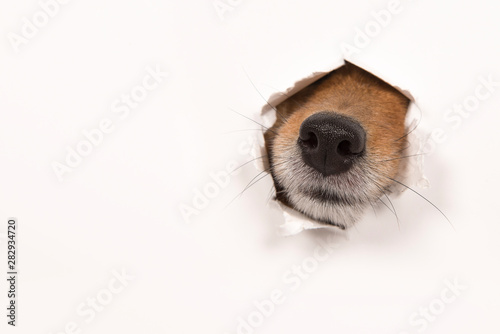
x: 411, y: 174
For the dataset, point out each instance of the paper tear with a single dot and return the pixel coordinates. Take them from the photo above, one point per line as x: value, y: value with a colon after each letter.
x: 411, y: 175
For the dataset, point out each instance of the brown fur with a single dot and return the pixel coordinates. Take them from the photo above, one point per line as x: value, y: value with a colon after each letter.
x: 350, y: 91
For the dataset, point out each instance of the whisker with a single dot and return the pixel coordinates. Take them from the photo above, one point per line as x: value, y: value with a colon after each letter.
x: 373, y: 207
x: 255, y: 182
x: 250, y: 184
x: 246, y: 163
x: 404, y: 157
x: 423, y: 197
x: 395, y: 213
x: 267, y: 170
x: 241, y: 193
x: 254, y: 121
x: 390, y: 202
x: 287, y: 96
x: 403, y: 149
x: 242, y: 130
x: 418, y: 123
x: 269, y: 104
x: 386, y: 205
x: 270, y: 194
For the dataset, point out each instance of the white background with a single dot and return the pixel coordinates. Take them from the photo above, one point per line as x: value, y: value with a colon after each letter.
x: 119, y: 209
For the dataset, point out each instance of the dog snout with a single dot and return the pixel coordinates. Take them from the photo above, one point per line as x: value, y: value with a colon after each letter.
x: 330, y: 142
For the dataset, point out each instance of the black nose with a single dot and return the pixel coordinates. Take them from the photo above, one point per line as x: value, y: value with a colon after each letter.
x: 330, y: 142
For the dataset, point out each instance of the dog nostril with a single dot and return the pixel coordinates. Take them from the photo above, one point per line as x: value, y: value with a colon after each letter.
x: 344, y: 148
x: 310, y: 140
x: 330, y: 143
x: 348, y: 148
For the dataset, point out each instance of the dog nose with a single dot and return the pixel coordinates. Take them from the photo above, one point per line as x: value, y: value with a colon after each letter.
x: 331, y: 142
